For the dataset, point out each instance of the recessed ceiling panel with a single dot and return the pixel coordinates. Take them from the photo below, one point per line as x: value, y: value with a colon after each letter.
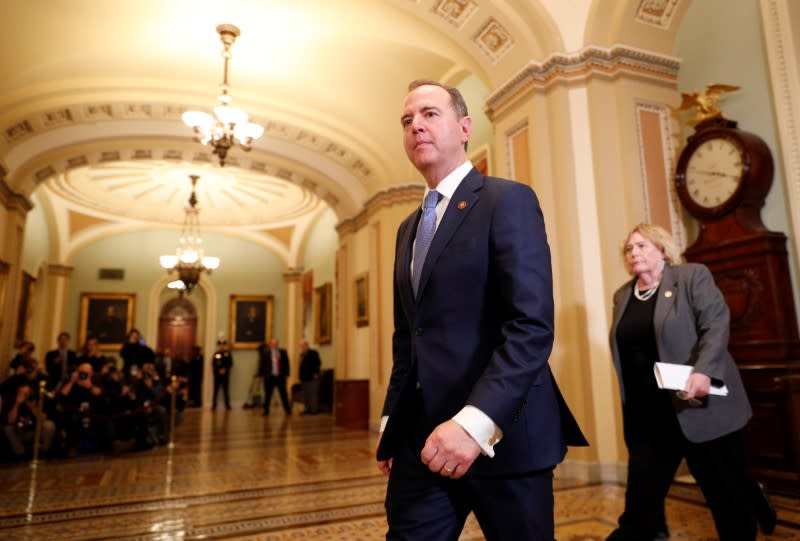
x: 158, y: 191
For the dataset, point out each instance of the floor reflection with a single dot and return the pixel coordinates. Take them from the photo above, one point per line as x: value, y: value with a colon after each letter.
x: 238, y: 475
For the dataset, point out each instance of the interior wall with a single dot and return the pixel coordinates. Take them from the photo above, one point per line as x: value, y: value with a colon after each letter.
x: 319, y: 256
x: 722, y: 45
x: 245, y: 269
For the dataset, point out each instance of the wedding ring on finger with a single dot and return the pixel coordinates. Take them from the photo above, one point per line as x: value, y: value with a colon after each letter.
x: 447, y: 470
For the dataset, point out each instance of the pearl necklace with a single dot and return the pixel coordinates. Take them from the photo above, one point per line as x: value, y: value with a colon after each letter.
x: 647, y: 294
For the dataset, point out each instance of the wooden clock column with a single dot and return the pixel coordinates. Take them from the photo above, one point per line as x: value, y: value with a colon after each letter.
x: 750, y: 266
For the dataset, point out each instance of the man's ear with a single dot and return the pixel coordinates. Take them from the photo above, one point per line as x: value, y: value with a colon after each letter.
x: 466, y: 128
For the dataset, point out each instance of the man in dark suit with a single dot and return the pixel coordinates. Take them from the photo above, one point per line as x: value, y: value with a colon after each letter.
x: 273, y: 367
x: 310, y: 364
x: 473, y: 419
x: 60, y: 362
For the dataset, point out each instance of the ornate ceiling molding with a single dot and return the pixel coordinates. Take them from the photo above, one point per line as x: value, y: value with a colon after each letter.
x: 179, y: 158
x: 381, y: 200
x: 55, y: 269
x: 12, y: 200
x: 574, y: 67
x: 455, y: 12
x: 656, y: 12
x: 494, y: 40
x: 90, y: 113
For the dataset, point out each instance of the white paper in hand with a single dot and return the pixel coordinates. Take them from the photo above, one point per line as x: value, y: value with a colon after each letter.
x: 674, y: 376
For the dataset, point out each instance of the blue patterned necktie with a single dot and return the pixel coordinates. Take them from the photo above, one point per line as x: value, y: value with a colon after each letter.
x: 425, y: 231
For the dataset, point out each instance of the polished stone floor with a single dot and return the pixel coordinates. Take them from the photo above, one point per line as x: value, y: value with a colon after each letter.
x: 237, y: 475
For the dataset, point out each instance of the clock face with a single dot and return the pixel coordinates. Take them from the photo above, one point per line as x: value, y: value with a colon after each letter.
x: 713, y: 172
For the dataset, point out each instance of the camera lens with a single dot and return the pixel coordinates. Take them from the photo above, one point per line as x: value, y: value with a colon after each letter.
x: 83, y: 375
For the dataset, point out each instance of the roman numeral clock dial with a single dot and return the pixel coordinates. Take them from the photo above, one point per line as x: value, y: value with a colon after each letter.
x: 722, y: 169
x: 714, y: 172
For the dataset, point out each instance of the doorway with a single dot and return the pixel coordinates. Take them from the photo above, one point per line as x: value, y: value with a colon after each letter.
x: 177, y: 328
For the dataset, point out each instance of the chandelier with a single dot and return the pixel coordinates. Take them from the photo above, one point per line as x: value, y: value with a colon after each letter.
x: 189, y: 261
x: 229, y: 126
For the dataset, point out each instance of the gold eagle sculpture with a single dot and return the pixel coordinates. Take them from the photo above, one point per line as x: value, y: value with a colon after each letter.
x: 706, y: 102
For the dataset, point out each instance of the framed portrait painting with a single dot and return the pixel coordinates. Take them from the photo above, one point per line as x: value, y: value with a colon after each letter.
x: 362, y: 300
x: 107, y: 317
x: 323, y: 306
x: 250, y: 321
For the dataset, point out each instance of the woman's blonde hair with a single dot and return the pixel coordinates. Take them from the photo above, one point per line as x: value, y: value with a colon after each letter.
x: 660, y: 237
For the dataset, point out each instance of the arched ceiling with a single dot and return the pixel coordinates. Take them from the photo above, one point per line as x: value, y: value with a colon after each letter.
x: 93, y: 94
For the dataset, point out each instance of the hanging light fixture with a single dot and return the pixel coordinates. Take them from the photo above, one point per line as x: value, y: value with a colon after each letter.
x: 189, y: 261
x: 229, y: 126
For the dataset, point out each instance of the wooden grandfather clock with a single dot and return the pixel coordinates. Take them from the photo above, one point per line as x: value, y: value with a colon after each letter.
x: 722, y: 178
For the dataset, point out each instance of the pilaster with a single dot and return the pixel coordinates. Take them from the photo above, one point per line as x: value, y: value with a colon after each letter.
x: 56, y: 287
x: 13, y: 212
x: 293, y: 281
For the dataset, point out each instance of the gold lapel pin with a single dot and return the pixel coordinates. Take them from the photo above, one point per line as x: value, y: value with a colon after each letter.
x: 462, y: 205
x: 668, y: 294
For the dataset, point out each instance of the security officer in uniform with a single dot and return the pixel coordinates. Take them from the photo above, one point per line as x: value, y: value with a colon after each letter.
x: 222, y: 364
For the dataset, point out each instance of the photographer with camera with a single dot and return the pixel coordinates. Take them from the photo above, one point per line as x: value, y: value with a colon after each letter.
x: 150, y: 390
x: 125, y: 422
x: 20, y: 418
x: 80, y: 398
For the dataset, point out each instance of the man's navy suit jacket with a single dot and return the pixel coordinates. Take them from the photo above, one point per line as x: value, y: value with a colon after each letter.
x: 480, y: 329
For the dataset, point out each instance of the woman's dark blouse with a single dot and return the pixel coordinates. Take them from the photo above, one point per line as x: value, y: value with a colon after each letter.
x: 646, y: 406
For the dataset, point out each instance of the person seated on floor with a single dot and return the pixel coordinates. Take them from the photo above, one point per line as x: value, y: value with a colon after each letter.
x: 150, y: 390
x: 24, y: 353
x: 19, y: 419
x: 80, y: 400
x: 32, y: 374
x: 127, y: 423
x: 26, y: 371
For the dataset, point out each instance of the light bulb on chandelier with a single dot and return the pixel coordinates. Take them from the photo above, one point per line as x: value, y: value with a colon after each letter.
x: 229, y: 126
x: 188, y: 260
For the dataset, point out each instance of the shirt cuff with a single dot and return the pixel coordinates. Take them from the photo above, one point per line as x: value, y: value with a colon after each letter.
x: 480, y: 427
x: 384, y: 420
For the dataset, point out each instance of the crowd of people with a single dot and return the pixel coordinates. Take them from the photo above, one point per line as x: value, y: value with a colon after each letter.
x: 91, y: 402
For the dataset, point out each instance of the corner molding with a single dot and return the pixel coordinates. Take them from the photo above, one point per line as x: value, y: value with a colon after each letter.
x: 44, y: 120
x: 785, y: 82
x: 592, y: 61
x: 11, y: 200
x: 384, y: 199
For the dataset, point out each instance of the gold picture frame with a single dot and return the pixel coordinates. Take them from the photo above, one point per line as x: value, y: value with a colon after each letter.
x: 323, y: 306
x: 108, y: 317
x: 361, y: 296
x: 250, y: 320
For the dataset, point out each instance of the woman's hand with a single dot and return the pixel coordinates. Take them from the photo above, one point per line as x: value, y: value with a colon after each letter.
x: 698, y: 385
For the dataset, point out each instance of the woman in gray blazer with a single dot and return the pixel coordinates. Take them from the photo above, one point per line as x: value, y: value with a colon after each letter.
x: 674, y: 313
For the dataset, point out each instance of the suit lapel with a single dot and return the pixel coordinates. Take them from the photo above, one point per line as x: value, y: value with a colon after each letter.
x: 619, y: 308
x: 462, y: 202
x: 667, y: 295
x: 405, y: 245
